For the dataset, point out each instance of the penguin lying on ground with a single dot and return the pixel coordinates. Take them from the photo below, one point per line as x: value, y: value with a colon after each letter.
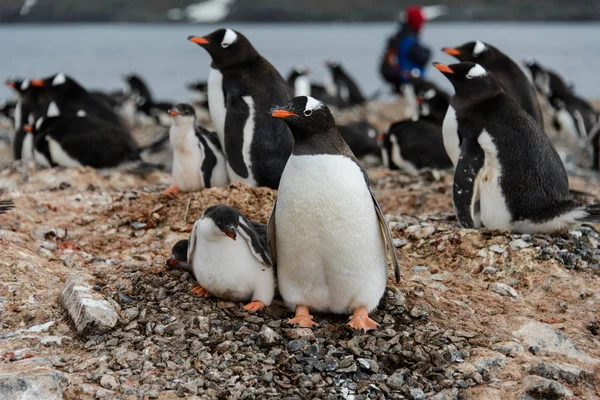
x: 432, y: 101
x: 361, y: 137
x: 159, y: 152
x: 507, y: 161
x: 6, y: 205
x: 508, y: 73
x: 229, y: 258
x: 198, y: 160
x: 242, y: 86
x: 68, y: 97
x: 71, y: 140
x: 327, y: 233
x: 178, y: 258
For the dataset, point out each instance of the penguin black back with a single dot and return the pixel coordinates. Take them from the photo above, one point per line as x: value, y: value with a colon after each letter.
x: 347, y: 89
x: 508, y: 73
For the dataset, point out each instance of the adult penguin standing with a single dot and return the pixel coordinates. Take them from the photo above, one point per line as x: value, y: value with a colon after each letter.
x: 242, y: 87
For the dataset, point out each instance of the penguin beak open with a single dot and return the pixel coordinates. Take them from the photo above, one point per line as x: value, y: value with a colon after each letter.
x: 28, y: 128
x: 173, y: 113
x: 443, y: 68
x: 198, y: 40
x: 37, y: 83
x: 452, y: 51
x: 231, y: 232
x: 280, y: 113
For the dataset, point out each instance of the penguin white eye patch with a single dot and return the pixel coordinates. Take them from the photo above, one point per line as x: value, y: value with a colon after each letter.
x: 229, y: 37
x: 476, y: 71
x: 479, y: 48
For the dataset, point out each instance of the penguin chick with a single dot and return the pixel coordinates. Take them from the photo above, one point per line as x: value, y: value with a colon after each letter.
x: 178, y: 258
x: 198, y: 161
x: 507, y: 161
x: 229, y: 258
x: 327, y: 232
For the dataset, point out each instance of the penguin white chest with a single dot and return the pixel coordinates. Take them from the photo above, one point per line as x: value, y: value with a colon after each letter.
x: 226, y: 268
x: 494, y: 210
x: 59, y: 155
x: 188, y: 156
x: 18, y: 114
x: 27, y: 148
x: 450, y: 135
x: 330, y: 251
x: 397, y: 158
x: 216, y: 103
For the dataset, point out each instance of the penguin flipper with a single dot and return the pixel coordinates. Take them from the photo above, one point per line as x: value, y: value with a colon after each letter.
x: 387, y: 234
x: 256, y: 246
x: 466, y: 175
x: 271, y: 235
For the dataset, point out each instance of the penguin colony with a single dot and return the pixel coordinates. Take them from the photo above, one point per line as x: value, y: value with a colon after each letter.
x: 327, y: 245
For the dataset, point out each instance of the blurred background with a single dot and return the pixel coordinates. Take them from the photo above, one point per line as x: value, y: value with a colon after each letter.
x: 98, y: 41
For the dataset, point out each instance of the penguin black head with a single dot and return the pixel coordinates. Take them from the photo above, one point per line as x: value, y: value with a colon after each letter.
x: 476, y: 51
x: 183, y: 113
x: 59, y: 84
x: 226, y: 47
x: 15, y: 83
x: 178, y: 254
x: 470, y: 80
x: 305, y: 116
x: 225, y: 218
x: 198, y: 86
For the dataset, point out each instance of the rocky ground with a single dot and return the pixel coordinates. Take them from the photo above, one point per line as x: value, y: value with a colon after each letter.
x: 88, y: 309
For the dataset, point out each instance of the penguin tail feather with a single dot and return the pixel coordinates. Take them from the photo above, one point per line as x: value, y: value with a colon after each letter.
x: 593, y: 213
x: 6, y: 205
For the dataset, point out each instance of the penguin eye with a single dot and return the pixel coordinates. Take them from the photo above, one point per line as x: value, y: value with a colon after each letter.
x: 307, y: 113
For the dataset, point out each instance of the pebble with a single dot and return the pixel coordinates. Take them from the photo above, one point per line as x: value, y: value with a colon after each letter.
x: 569, y: 373
x: 497, y: 249
x: 546, y: 387
x: 510, y: 349
x: 109, y: 382
x: 396, y: 380
x: 268, y: 337
x: 519, y: 244
x: 419, y: 268
x: 400, y: 242
x: 489, y: 270
x: 417, y: 394
x: 503, y: 289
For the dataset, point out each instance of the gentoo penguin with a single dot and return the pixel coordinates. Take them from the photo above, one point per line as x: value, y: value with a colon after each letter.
x: 199, y: 91
x: 242, y: 86
x: 230, y: 258
x: 299, y: 81
x: 72, y: 140
x: 433, y: 102
x: 159, y: 152
x: 507, y: 161
x: 327, y: 233
x: 138, y: 89
x: 178, y: 258
x: 361, y: 137
x: 6, y: 205
x: 546, y: 81
x: 198, y: 160
x: 344, y: 88
x: 508, y: 73
x: 68, y: 97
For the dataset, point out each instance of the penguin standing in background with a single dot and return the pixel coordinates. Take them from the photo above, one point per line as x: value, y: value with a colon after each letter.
x: 345, y: 90
x: 198, y: 161
x: 299, y: 81
x: 327, y: 233
x: 507, y: 161
x: 71, y: 141
x: 230, y: 258
x: 546, y: 81
x: 67, y: 97
x: 157, y: 111
x: 508, y: 73
x: 242, y: 86
x: 433, y: 102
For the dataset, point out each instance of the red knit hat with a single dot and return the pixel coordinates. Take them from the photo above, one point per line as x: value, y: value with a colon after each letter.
x: 414, y: 17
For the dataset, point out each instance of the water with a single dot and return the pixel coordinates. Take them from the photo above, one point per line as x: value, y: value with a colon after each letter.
x: 97, y: 55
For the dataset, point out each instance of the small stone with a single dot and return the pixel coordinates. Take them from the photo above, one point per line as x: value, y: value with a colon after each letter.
x: 348, y: 370
x: 482, y: 393
x: 268, y: 337
x: 489, y: 270
x: 297, y: 345
x: 268, y: 377
x: 300, y: 333
x: 417, y: 394
x: 396, y: 380
x: 418, y: 311
x: 503, y: 289
x: 203, y: 324
x: 31, y: 383
x: 91, y: 315
x: 567, y: 372
x: 363, y: 364
x: 138, y: 225
x: 109, y: 382
x: 497, y: 249
x: 399, y: 242
x: 546, y: 387
x: 419, y: 268
x: 519, y: 244
x: 161, y: 294
x: 576, y: 234
x: 510, y: 349
x: 437, y: 277
x: 331, y: 365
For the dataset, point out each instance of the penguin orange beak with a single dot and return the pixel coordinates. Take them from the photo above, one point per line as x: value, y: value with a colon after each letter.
x: 198, y: 40
x: 28, y: 128
x: 37, y: 83
x: 283, y: 114
x: 173, y: 113
x: 420, y: 100
x: 172, y: 261
x: 443, y: 68
x: 380, y: 137
x: 452, y: 51
x: 11, y: 84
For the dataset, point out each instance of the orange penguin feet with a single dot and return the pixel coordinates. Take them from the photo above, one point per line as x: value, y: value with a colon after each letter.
x: 360, y: 320
x: 303, y: 318
x: 172, y: 190
x: 254, y: 306
x: 200, y: 291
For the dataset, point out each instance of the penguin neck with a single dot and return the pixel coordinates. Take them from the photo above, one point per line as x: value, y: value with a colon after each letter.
x: 250, y: 56
x: 316, y: 143
x: 462, y: 102
x: 181, y: 134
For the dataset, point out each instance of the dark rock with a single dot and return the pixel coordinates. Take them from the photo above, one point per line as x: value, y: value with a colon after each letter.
x: 546, y: 387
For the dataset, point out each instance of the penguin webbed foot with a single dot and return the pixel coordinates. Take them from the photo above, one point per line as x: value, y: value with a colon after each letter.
x: 254, y: 306
x: 200, y: 291
x: 172, y: 190
x: 360, y: 320
x: 303, y: 318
